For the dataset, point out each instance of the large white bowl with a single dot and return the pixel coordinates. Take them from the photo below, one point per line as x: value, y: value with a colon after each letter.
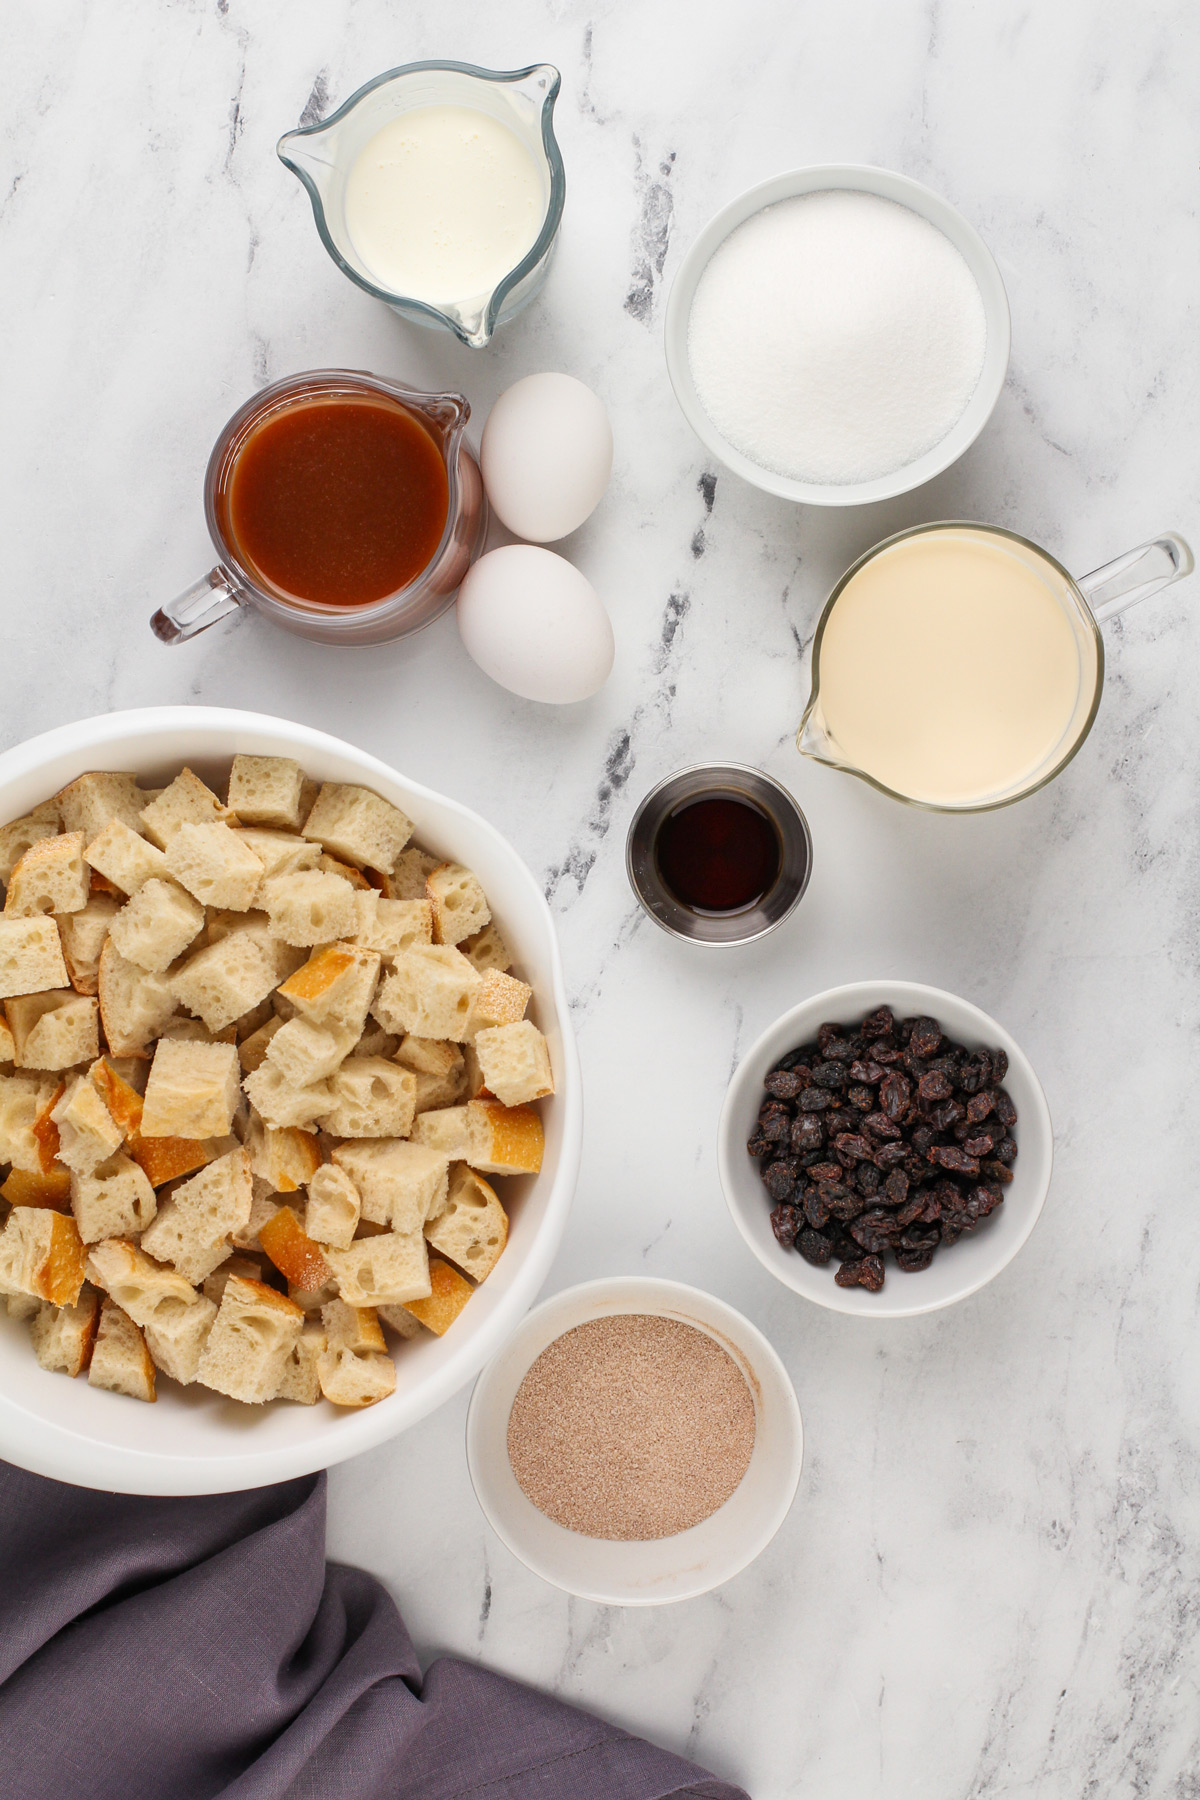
x: 193, y: 1441
x: 958, y: 1269
x: 663, y: 1569
x: 861, y: 178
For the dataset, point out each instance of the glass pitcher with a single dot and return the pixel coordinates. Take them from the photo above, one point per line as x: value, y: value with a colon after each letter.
x: 1086, y: 603
x: 322, y: 156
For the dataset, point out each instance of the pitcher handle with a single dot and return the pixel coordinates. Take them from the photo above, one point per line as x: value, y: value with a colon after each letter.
x: 198, y: 607
x: 1136, y: 575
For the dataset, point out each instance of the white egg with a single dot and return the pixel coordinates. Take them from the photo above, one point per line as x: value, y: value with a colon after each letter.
x: 535, y: 624
x: 546, y: 456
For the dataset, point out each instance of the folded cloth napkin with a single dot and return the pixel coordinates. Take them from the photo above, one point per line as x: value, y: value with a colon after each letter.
x: 202, y: 1647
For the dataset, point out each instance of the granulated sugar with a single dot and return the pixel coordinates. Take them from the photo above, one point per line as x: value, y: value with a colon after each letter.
x: 631, y: 1427
x: 836, y: 337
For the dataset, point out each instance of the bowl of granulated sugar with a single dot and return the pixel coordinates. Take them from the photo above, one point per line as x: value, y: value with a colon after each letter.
x: 838, y: 335
x: 635, y: 1442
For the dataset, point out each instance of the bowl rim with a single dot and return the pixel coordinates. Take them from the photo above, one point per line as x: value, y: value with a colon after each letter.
x: 46, y: 1447
x: 580, y: 1299
x: 885, y: 184
x: 861, y: 996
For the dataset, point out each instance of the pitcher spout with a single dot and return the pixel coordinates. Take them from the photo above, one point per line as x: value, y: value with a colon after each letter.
x: 308, y: 154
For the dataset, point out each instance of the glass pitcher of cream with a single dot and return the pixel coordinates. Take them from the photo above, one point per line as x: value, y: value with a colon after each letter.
x: 439, y: 187
x: 959, y: 667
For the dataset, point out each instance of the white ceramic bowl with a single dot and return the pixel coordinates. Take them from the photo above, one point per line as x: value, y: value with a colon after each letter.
x: 664, y: 1569
x: 959, y: 1269
x: 888, y: 186
x: 193, y: 1441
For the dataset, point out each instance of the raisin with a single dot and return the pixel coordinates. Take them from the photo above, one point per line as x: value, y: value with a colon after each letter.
x: 775, y: 1123
x: 895, y: 1092
x: 833, y: 1045
x: 880, y: 1126
x: 911, y: 1262
x: 981, y: 1143
x: 888, y: 1156
x: 922, y: 1138
x: 943, y: 1116
x: 984, y: 1199
x: 854, y: 1145
x: 880, y: 1023
x: 979, y: 1105
x: 999, y: 1065
x: 836, y: 1120
x: 847, y: 1275
x: 807, y: 1132
x: 1006, y: 1112
x: 875, y: 1230
x: 949, y: 1156
x: 813, y: 1099
x: 887, y: 1054
x: 869, y: 1071
x: 861, y: 1098
x: 825, y: 1171
x: 816, y: 1210
x: 784, y: 1223
x: 829, y: 1075
x: 951, y: 1231
x: 995, y: 1171
x: 867, y: 1179
x: 814, y: 1247
x: 757, y: 1144
x: 936, y: 1086
x: 926, y: 1037
x: 895, y: 1188
x: 780, y: 1179
x: 866, y: 1272
x: 783, y: 1084
x: 1005, y: 1151
x: 843, y: 1202
x: 976, y: 1072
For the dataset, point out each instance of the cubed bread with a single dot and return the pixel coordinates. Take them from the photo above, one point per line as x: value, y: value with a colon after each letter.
x: 262, y: 1210
x: 305, y: 1053
x: 504, y: 1140
x: 224, y: 980
x: 54, y: 1030
x: 176, y: 1337
x: 51, y: 877
x: 281, y: 1102
x: 51, y: 1187
x: 118, y: 1092
x: 472, y: 1227
x: 334, y: 1207
x: 297, y: 1256
x: 83, y: 935
x: 473, y: 1082
x: 135, y: 1006
x: 24, y: 1100
x: 333, y: 865
x: 301, y: 1380
x: 8, y: 1045
x: 429, y: 993
x: 438, y: 1069
x: 335, y: 986
x: 124, y: 858
x: 31, y: 958
x: 459, y: 903
x: 267, y: 790
x: 487, y: 949
x: 87, y: 1132
x: 286, y: 1159
x: 410, y: 872
x: 399, y: 1183
x: 120, y: 1359
x: 351, y: 1327
x: 41, y: 1253
x: 255, y: 924
x: 443, y: 1129
x: 372, y: 1098
x: 115, y: 1200
x: 215, y: 865
x: 252, y: 1337
x: 498, y: 1000
x: 193, y: 1090
x: 63, y: 1336
x: 400, y: 1320
x: 193, y: 1229
x: 156, y: 925
x: 380, y: 1270
x: 358, y: 826
x: 213, y: 1286
x: 142, y: 1288
x: 280, y: 852
x: 449, y: 1293
x: 165, y: 1159
x: 391, y: 926
x: 252, y: 1051
x: 15, y: 838
x: 311, y: 907
x: 96, y: 799
x: 311, y: 1303
x: 515, y: 1062
x: 187, y: 801
x: 349, y: 1378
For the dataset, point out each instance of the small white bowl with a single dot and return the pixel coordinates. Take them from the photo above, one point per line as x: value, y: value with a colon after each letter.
x: 861, y: 178
x: 193, y: 1441
x: 664, y: 1569
x: 958, y: 1269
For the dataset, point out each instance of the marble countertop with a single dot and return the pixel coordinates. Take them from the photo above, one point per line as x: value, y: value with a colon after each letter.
x: 990, y: 1582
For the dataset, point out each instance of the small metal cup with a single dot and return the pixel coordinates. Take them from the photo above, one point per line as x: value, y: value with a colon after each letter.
x: 716, y: 780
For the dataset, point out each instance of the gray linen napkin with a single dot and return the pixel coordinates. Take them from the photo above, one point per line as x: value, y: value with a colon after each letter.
x: 196, y: 1648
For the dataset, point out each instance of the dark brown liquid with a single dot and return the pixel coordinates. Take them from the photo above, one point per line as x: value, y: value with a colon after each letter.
x: 718, y: 853
x: 338, y: 499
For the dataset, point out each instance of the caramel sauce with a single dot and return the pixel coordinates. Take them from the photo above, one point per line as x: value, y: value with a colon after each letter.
x: 718, y: 853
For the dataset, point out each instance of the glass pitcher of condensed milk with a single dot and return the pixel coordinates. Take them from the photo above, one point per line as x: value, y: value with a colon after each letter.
x: 959, y: 667
x: 439, y: 187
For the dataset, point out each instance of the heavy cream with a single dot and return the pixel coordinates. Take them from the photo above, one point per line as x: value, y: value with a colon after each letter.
x: 442, y: 203
x: 949, y: 668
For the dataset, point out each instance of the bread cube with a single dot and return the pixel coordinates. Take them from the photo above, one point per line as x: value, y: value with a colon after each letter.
x: 473, y: 1082
x: 378, y: 1270
x: 472, y: 1227
x: 252, y: 1051
x: 449, y: 1293
x: 335, y: 986
x: 262, y: 1210
x: 115, y: 1200
x: 486, y: 950
x: 124, y: 858
x: 356, y: 1378
x: 410, y: 872
x: 285, y: 1159
x: 41, y: 1253
x: 498, y: 1000
x: 311, y: 907
x: 16, y: 838
x: 83, y: 935
x: 429, y: 993
x: 213, y: 1286
x: 148, y: 1293
x: 305, y: 1053
x: 24, y: 1100
x: 31, y: 958
x: 372, y: 1098
x: 399, y: 1319
x: 279, y: 852
x: 95, y: 800
x: 438, y: 1070
x: 176, y: 1338
x: 215, y: 865
x: 311, y: 1303
x: 300, y: 1380
x: 504, y: 1140
x: 185, y: 802
x: 514, y: 1062
x: 120, y: 1360
x: 193, y: 1090
x: 252, y: 1338
x: 23, y: 1187
x: 63, y: 1336
x: 293, y: 1252
x: 358, y: 825
x: 54, y: 1030
x: 281, y: 1102
x: 443, y: 1129
x: 51, y: 877
x: 156, y: 925
x: 459, y: 903
x: 255, y: 925
x: 334, y: 1207
x: 135, y: 1006
x: 118, y: 1092
x: 351, y: 1327
x: 267, y: 790
x: 399, y: 1183
x: 224, y: 980
x: 391, y: 926
x: 193, y: 1228
x: 8, y: 1045
x: 87, y: 1132
x: 333, y: 865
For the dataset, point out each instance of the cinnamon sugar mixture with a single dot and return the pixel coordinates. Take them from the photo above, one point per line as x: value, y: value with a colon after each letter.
x: 631, y: 1427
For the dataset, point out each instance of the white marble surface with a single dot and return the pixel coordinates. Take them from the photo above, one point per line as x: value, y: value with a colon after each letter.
x: 990, y: 1582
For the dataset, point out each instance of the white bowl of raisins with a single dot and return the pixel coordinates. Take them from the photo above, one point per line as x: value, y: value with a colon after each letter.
x: 885, y: 1148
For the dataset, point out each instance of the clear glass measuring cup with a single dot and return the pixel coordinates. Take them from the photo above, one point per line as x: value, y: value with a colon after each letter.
x: 1086, y: 603
x: 231, y: 583
x: 321, y: 156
